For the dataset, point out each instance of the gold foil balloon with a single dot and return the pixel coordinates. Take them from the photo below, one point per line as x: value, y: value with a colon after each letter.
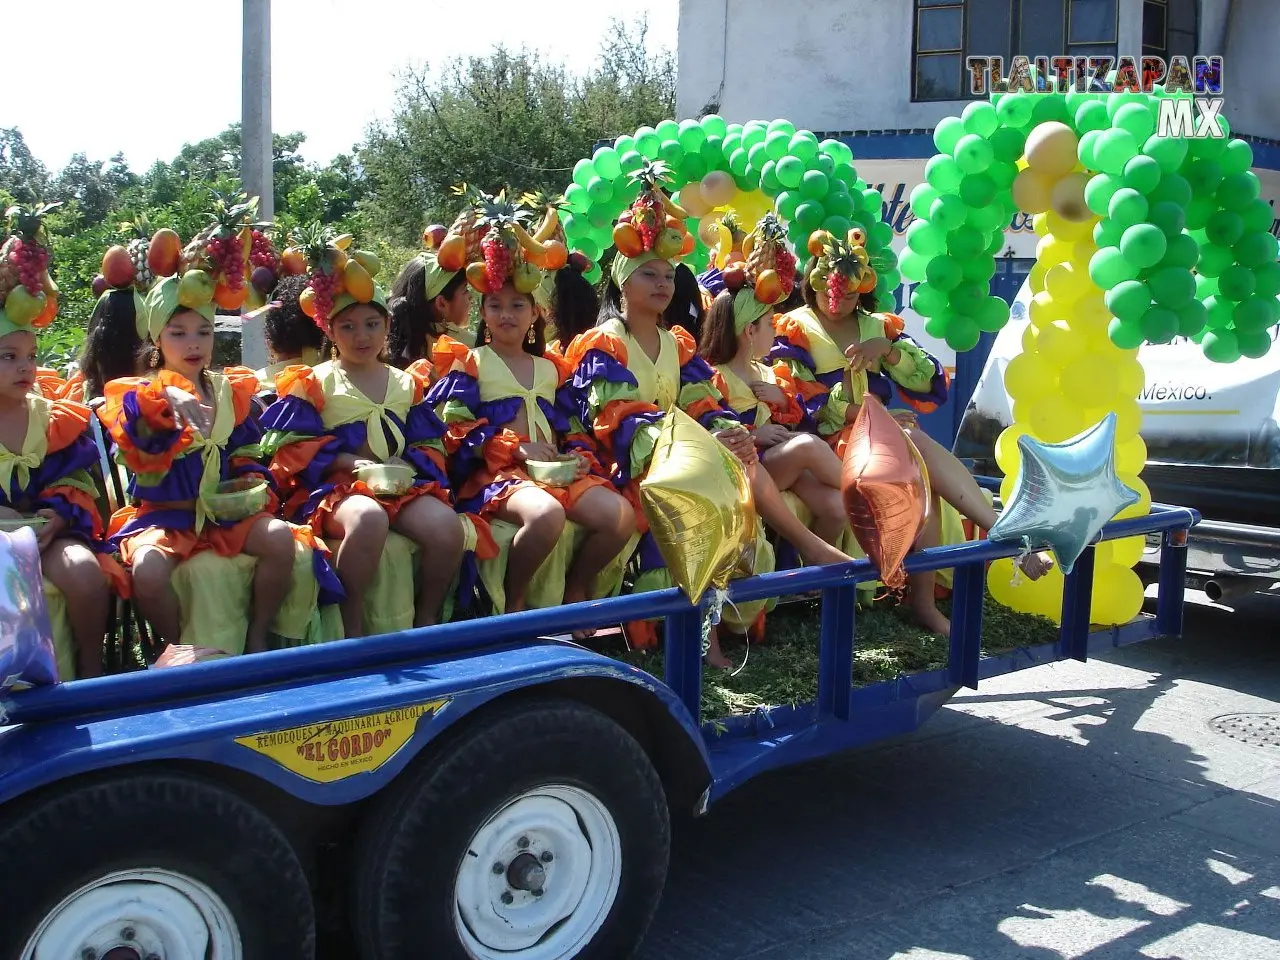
x: 697, y: 499
x: 886, y: 490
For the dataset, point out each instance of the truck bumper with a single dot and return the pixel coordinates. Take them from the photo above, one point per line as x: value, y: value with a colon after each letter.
x: 1219, y: 551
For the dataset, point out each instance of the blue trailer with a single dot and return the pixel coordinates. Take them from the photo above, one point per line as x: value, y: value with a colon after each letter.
x: 480, y: 790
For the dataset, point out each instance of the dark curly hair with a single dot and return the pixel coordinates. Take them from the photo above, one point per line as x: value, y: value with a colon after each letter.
x: 686, y: 309
x: 288, y: 330
x: 413, y: 317
x: 112, y: 347
x: 575, y: 306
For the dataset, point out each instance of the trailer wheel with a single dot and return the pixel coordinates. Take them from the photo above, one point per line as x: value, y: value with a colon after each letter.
x: 541, y: 834
x: 152, y: 866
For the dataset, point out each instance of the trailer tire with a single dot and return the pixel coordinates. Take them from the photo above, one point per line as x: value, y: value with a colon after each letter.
x: 541, y: 833
x: 124, y: 862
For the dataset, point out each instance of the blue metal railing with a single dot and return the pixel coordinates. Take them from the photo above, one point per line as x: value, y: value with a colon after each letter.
x: 837, y: 582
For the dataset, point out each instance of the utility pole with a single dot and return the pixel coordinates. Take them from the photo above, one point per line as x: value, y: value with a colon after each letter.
x: 255, y: 142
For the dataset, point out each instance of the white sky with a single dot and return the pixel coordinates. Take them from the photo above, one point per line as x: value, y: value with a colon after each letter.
x: 147, y: 76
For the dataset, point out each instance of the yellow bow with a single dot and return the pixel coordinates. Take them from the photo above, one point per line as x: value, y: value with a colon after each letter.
x: 210, y: 447
x: 348, y: 405
x: 34, y: 447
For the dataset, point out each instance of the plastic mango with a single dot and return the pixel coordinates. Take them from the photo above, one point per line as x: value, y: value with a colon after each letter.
x: 697, y: 499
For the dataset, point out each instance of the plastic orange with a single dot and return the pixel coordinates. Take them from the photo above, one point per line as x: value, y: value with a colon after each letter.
x: 307, y: 301
x: 452, y: 254
x: 869, y: 281
x: 163, y: 253
x: 768, y: 286
x: 627, y: 239
x: 227, y: 298
x: 817, y: 240
x: 357, y: 281
x: 476, y: 276
x: 49, y: 312
x: 292, y: 262
x: 554, y: 255
x: 687, y: 247
x: 117, y: 267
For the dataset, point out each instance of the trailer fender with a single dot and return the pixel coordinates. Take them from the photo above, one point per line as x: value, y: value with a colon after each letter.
x: 337, y: 740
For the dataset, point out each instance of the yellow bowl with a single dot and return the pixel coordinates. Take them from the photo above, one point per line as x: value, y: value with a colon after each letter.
x: 387, y: 479
x: 554, y: 473
x: 35, y: 523
x: 239, y: 498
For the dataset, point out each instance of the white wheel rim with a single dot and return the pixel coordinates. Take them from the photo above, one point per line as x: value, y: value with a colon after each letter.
x: 558, y: 836
x: 138, y: 915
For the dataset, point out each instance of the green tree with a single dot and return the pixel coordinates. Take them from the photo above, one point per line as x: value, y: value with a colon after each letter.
x: 22, y: 176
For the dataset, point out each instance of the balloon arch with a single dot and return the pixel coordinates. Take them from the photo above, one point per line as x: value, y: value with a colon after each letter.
x: 1142, y: 238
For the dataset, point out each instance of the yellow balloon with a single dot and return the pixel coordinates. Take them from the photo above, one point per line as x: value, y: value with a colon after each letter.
x: 1029, y: 377
x: 697, y: 500
x: 1021, y: 164
x: 1072, y: 230
x: 718, y: 188
x: 1040, y: 223
x: 1143, y: 506
x: 1031, y: 192
x: 1117, y: 594
x: 1126, y: 552
x: 1043, y: 310
x: 1067, y: 198
x: 1064, y: 284
x: 1054, y: 421
x: 1051, y: 149
x: 1051, y: 249
x: 692, y: 200
x: 1128, y: 419
x: 1006, y: 485
x: 1084, y: 381
x: 1131, y: 376
x: 1036, y: 277
x: 1030, y: 337
x: 1060, y: 344
x: 1007, y: 453
x: 1131, y: 455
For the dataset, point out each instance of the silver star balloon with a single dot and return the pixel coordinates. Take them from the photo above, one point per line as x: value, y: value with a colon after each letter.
x: 1066, y: 493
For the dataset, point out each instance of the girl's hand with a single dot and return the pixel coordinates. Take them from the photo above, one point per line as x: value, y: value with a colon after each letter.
x: 47, y: 532
x: 739, y: 442
x: 188, y: 410
x: 358, y: 462
x: 868, y: 353
x: 771, y: 434
x: 584, y: 465
x: 768, y: 392
x: 536, y: 451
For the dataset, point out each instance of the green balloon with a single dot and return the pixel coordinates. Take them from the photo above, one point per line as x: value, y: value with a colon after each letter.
x: 1254, y: 313
x: 1219, y: 312
x: 1204, y: 175
x: 993, y: 314
x: 1239, y: 190
x: 1159, y: 325
x: 599, y: 190
x: 1236, y: 157
x: 1127, y: 207
x: 1237, y: 283
x: 1267, y: 278
x: 769, y: 179
x: 1048, y: 108
x: 648, y: 143
x: 977, y: 189
x: 922, y: 197
x: 947, y: 212
x: 758, y: 156
x: 973, y: 154
x: 1099, y: 191
x: 1169, y: 217
x: 947, y: 134
x: 809, y: 214
x: 814, y: 184
x: 963, y: 334
x: 1183, y: 251
x: 1014, y: 111
x: 1255, y: 249
x: 786, y: 203
x: 1129, y: 299
x: 1142, y: 173
x: 739, y: 162
x: 837, y: 226
x: 873, y: 202
x: 837, y: 150
x: 1206, y: 287
x: 1109, y: 267
x: 1107, y: 234
x: 606, y: 163
x: 1191, y: 318
x: 944, y: 273
x: 1221, y: 346
x: 1087, y: 150
x: 838, y: 204
x: 1214, y: 258
x: 1210, y: 146
x: 778, y: 144
x: 980, y: 269
x: 783, y: 126
x: 1258, y: 215
x: 912, y: 265
x: 576, y: 198
x: 691, y: 135
x: 600, y: 216
x: 967, y: 297
x: 1254, y: 344
x: 714, y: 126
x: 1172, y: 286
x: 1125, y: 334
x: 670, y: 152
x: 1002, y: 174
x: 825, y: 164
x: 942, y: 173
x: 1174, y: 188
x: 583, y: 171
x: 980, y: 118
x: 730, y: 143
x: 1091, y: 115
x: 804, y: 146
x: 1137, y: 119
x: 624, y: 191
x: 995, y: 242
x: 1198, y: 211
x: 1143, y: 245
x: 964, y: 242
x: 1007, y: 145
x: 1224, y: 227
x: 1166, y: 151
x: 1114, y: 149
x: 927, y: 300
x: 624, y: 144
x: 668, y: 130
x: 748, y: 181
x: 790, y: 172
x: 712, y: 153
x: 753, y: 134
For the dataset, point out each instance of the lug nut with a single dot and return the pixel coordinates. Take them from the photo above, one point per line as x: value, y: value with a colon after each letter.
x: 547, y: 856
x: 523, y: 843
x: 498, y: 869
x: 507, y: 898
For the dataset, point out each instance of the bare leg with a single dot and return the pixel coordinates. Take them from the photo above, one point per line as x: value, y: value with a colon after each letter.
x: 610, y: 521
x: 540, y: 520
x: 73, y: 569
x: 923, y: 606
x: 153, y: 593
x: 361, y: 524
x: 803, y: 452
x: 829, y: 518
x: 813, y: 549
x: 271, y: 542
x: 956, y: 485
x: 715, y: 656
x: 437, y: 530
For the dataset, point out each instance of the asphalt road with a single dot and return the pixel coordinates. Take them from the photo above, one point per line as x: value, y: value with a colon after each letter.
x: 1074, y: 810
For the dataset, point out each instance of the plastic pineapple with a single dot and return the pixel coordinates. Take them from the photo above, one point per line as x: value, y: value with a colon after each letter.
x: 502, y: 248
x: 140, y: 227
x: 770, y: 266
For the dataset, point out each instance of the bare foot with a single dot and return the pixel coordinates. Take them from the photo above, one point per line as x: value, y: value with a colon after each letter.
x: 577, y: 596
x: 929, y: 617
x: 823, y: 553
x: 714, y: 657
x: 1035, y: 565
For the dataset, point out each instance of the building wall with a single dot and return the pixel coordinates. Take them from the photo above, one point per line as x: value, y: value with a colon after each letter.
x: 846, y: 64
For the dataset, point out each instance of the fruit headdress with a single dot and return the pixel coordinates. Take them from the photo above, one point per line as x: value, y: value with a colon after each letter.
x: 28, y: 295
x: 841, y: 266
x: 507, y: 251
x: 766, y: 278
x: 338, y: 279
x: 652, y: 228
x: 550, y: 234
x: 210, y: 272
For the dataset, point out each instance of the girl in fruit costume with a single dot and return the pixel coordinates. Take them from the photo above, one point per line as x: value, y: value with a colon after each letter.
x: 739, y: 331
x: 567, y: 302
x: 354, y: 410
x: 630, y: 369
x: 504, y: 407
x: 837, y: 349
x: 292, y: 337
x: 46, y: 452
x: 182, y: 429
x: 427, y: 302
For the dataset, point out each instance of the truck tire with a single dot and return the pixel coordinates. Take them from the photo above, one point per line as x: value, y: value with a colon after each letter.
x: 541, y: 833
x: 159, y: 865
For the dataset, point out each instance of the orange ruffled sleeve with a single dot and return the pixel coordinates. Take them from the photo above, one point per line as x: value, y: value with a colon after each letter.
x: 67, y: 421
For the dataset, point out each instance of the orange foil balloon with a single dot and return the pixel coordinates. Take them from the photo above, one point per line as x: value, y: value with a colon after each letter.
x: 885, y: 489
